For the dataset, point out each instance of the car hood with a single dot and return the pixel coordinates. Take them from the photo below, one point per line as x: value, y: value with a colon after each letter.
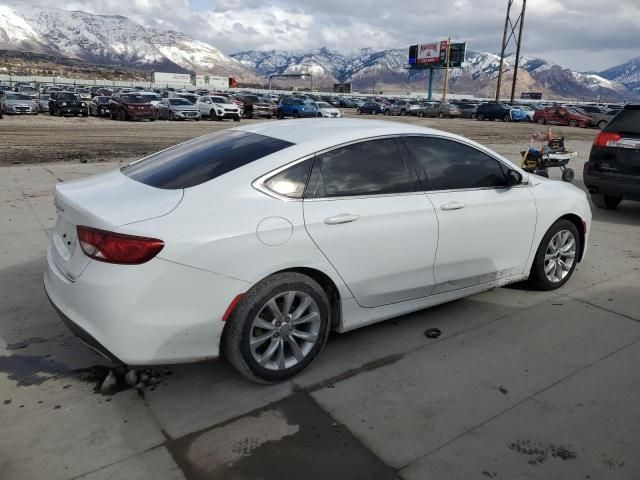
x: 225, y: 105
x: 329, y: 110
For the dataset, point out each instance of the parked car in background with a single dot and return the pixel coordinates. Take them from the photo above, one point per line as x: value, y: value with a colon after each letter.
x: 493, y: 111
x: 402, y: 107
x: 42, y: 101
x: 326, y: 110
x: 601, y: 120
x: 28, y: 90
x: 152, y: 97
x: 296, y: 108
x: 85, y: 93
x: 218, y: 108
x: 373, y: 108
x: 467, y: 110
x: 612, y: 173
x: 253, y: 243
x: 67, y: 103
x: 12, y: 103
x: 528, y: 111
x: 131, y: 106
x: 192, y: 98
x: 592, y: 109
x: 346, y: 102
x: 437, y: 109
x: 177, y: 109
x: 252, y: 106
x: 561, y: 116
x: 99, y: 106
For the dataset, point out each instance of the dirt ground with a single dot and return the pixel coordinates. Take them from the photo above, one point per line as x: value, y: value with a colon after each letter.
x: 42, y: 138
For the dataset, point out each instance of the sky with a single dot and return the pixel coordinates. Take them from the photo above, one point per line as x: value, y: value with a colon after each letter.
x: 585, y: 35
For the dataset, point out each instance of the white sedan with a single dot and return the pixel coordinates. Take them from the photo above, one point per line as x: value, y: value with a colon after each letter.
x: 259, y: 240
x: 327, y: 110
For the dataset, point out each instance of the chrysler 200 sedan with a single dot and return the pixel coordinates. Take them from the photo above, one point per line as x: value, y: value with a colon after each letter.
x: 257, y: 241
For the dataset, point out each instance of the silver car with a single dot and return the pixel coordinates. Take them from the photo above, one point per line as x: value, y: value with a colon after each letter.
x: 18, y: 104
x: 177, y: 109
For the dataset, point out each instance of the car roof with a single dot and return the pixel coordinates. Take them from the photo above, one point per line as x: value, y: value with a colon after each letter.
x: 320, y: 133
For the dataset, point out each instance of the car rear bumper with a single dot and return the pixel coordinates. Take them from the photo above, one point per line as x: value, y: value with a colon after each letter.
x: 142, y: 115
x: 627, y: 189
x: 158, y: 312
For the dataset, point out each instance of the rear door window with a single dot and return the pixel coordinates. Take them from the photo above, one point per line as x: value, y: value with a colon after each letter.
x: 202, y: 159
x: 373, y: 167
x: 450, y: 165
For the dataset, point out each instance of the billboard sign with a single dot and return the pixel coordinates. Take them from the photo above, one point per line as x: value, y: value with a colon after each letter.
x: 531, y: 95
x: 434, y: 55
x: 342, y: 87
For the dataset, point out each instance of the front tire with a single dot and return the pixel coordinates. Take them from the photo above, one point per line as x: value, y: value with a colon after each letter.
x: 556, y: 257
x: 573, y: 123
x: 601, y: 200
x: 480, y: 117
x: 279, y: 327
x: 541, y: 121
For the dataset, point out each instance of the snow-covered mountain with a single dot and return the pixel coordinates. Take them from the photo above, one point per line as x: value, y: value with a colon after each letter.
x: 628, y: 74
x: 367, y: 68
x: 108, y: 39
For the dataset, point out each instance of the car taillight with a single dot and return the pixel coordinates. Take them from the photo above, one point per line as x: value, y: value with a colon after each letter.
x: 119, y: 248
x: 606, y: 139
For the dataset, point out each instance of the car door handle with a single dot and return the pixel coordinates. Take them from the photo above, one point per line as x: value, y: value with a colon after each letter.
x: 453, y: 206
x: 342, y: 218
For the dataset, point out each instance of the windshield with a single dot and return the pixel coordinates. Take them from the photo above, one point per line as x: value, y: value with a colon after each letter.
x: 179, y: 101
x: 17, y: 96
x: 102, y: 100
x: 27, y: 89
x: 323, y: 105
x: 220, y: 100
x: 152, y: 98
x: 134, y: 99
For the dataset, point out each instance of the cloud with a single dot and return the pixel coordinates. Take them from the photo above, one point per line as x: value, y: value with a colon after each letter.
x: 584, y: 34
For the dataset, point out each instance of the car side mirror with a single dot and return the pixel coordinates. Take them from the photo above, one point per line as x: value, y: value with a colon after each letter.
x: 513, y: 178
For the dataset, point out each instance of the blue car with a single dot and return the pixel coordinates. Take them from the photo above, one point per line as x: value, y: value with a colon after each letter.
x: 296, y: 108
x: 373, y: 108
x: 518, y: 115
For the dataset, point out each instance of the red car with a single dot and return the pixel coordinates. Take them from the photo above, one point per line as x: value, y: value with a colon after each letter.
x: 131, y: 106
x: 561, y: 116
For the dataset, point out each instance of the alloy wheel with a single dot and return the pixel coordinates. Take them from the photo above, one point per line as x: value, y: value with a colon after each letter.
x: 560, y: 256
x: 285, y: 330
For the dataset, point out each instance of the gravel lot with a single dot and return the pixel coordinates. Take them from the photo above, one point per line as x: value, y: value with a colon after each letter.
x: 521, y: 383
x: 42, y: 138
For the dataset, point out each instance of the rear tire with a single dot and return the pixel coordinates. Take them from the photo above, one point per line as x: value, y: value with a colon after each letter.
x: 602, y: 124
x: 608, y: 202
x: 242, y: 328
x: 506, y: 118
x: 556, y: 257
x: 573, y: 123
x: 421, y: 114
x: 440, y: 115
x: 541, y: 121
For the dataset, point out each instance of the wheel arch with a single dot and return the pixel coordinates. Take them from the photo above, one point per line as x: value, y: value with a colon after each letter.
x: 329, y: 287
x: 580, y: 226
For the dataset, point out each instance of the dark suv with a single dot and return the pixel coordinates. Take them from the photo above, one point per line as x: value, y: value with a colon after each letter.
x: 613, y: 170
x: 493, y: 111
x: 67, y: 103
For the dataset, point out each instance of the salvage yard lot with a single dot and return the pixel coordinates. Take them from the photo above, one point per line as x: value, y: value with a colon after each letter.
x: 521, y: 384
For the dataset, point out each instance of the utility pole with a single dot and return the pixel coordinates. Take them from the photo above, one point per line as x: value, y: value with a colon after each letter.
x: 446, y: 71
x: 509, y: 34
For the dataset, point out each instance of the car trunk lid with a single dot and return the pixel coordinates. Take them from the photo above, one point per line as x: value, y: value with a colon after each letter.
x: 106, y: 202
